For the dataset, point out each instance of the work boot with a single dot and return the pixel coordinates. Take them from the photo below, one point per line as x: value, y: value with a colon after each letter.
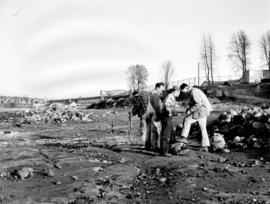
x: 182, y: 139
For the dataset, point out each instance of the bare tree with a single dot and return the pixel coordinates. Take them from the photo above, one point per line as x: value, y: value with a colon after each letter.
x: 137, y: 76
x: 168, y: 71
x: 208, y: 57
x: 239, y: 51
x: 265, y: 48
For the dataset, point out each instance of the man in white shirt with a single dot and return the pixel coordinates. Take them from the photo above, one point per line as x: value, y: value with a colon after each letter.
x: 199, y: 109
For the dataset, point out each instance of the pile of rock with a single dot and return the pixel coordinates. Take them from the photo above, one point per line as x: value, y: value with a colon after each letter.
x: 50, y: 114
x: 246, y: 127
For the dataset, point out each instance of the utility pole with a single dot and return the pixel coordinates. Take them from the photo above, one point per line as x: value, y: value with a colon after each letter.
x: 198, y: 73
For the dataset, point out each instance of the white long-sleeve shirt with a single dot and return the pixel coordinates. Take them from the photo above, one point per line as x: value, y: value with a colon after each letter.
x: 198, y: 99
x: 170, y: 103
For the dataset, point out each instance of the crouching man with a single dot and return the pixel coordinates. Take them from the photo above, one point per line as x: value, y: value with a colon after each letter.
x: 198, y: 111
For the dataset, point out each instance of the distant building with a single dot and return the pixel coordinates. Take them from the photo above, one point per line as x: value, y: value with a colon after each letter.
x: 255, y: 76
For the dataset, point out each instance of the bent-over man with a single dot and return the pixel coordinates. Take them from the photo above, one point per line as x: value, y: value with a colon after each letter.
x: 199, y: 109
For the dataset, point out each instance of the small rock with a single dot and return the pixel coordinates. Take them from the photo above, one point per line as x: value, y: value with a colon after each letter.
x: 3, y: 174
x: 47, y: 172
x: 257, y: 125
x: 163, y: 180
x: 50, y: 173
x: 256, y: 162
x: 25, y: 172
x: 233, y: 112
x: 218, y: 142
x: 243, y: 172
x: 221, y: 160
x: 94, y: 160
x: 58, y: 166
x: 237, y: 139
x: 75, y: 178
x: 205, y: 189
x: 106, y: 162
x: 263, y: 179
x: 97, y: 169
x: 123, y: 160
x: 57, y: 182
x: 254, y: 200
x: 157, y: 171
x: 201, y: 156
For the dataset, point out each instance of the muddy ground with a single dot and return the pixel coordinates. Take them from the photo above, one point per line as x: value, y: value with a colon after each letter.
x: 90, y: 163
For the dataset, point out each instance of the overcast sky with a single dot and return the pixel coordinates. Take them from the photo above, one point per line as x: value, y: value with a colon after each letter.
x: 71, y: 48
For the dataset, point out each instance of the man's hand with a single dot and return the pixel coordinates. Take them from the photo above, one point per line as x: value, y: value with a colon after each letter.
x: 188, y: 111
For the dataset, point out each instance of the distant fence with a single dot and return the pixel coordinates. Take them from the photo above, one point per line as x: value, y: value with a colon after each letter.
x: 199, y: 81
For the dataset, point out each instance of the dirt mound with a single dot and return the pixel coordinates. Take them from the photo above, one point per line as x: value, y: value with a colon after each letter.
x: 238, y: 91
x: 111, y: 103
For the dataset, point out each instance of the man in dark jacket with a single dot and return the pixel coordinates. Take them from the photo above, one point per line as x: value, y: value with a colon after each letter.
x: 153, y: 118
x: 140, y: 101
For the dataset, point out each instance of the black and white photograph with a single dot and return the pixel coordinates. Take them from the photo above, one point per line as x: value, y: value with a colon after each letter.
x: 135, y: 101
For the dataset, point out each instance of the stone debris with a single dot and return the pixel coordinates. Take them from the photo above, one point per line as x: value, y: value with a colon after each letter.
x: 75, y: 178
x: 218, y: 142
x: 24, y: 172
x: 248, y: 127
x: 123, y: 160
x: 94, y: 160
x: 107, y: 162
x: 47, y: 172
x: 57, y: 182
x: 205, y: 189
x: 3, y: 174
x: 163, y: 180
x: 50, y: 114
x: 221, y: 160
x: 57, y: 165
x: 97, y: 169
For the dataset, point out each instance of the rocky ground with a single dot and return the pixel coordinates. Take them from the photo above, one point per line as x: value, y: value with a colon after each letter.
x: 98, y: 162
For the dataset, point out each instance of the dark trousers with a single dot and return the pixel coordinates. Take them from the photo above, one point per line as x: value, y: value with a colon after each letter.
x: 151, y: 134
x: 167, y: 134
x: 148, y: 121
